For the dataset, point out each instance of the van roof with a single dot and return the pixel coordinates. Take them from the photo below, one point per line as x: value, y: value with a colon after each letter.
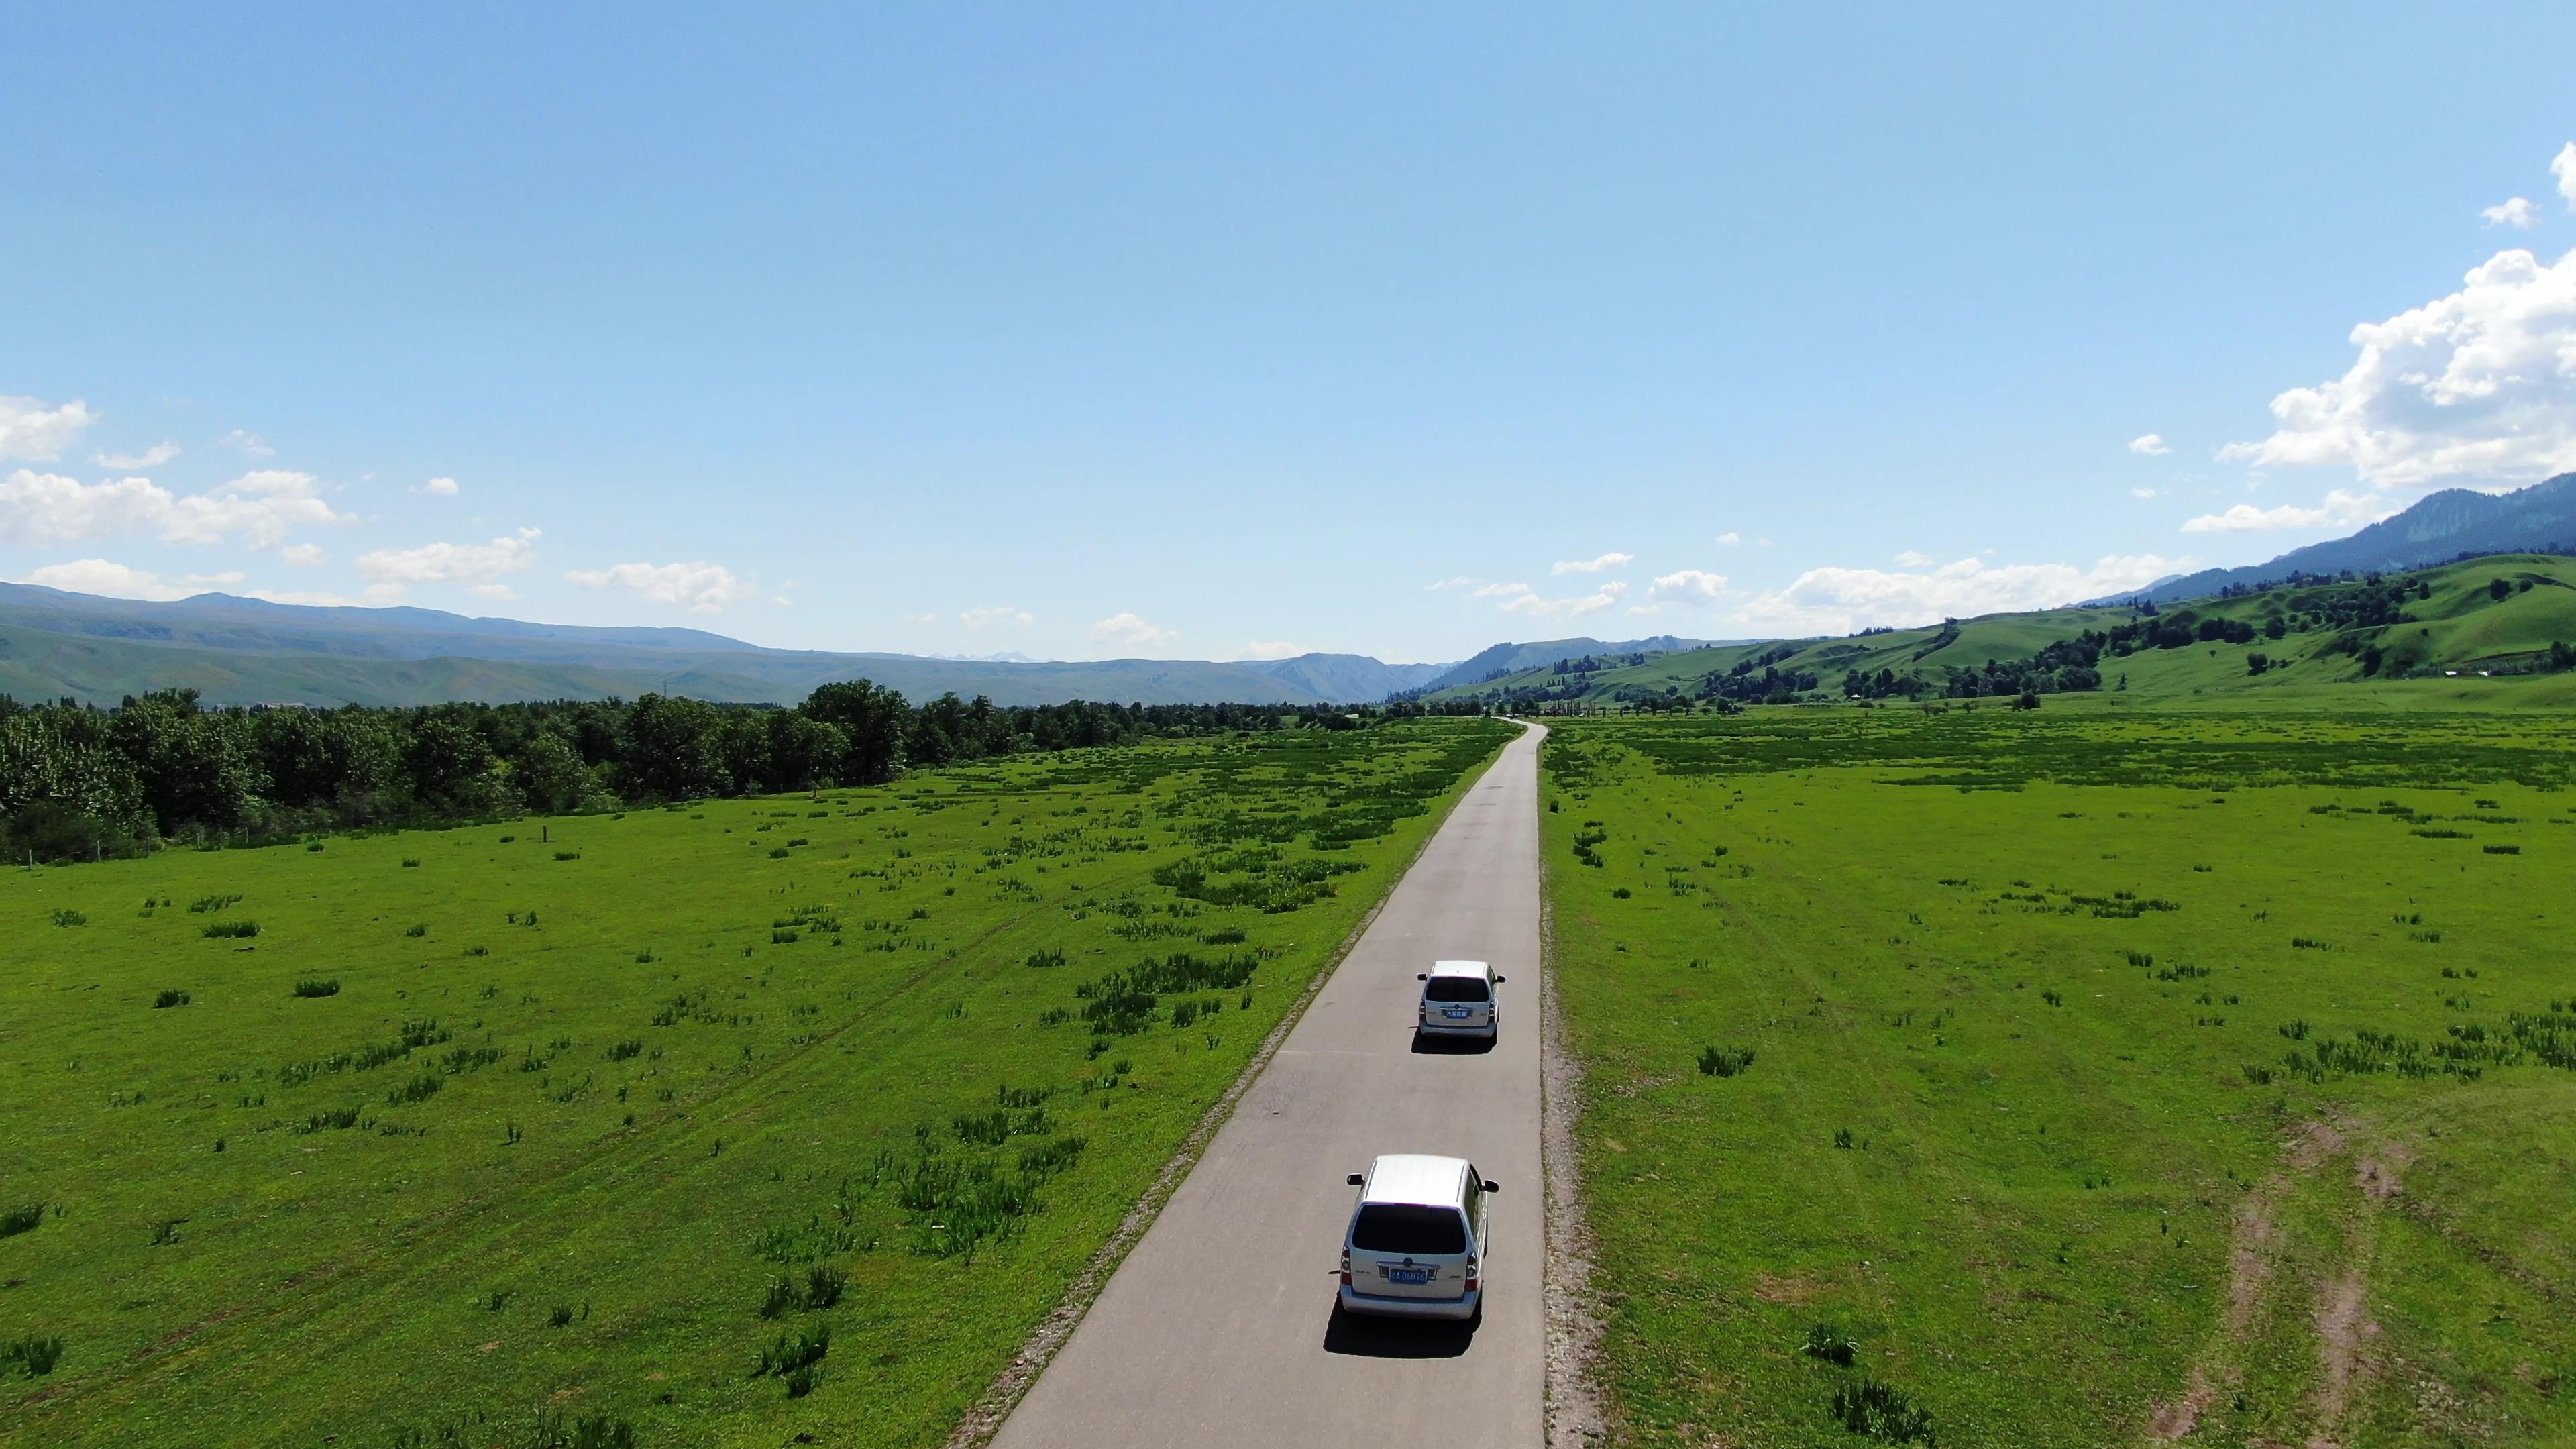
x: 1458, y: 968
x: 1416, y: 1178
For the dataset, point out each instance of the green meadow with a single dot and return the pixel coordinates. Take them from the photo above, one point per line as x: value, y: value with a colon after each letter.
x: 742, y: 1122
x: 2074, y: 1077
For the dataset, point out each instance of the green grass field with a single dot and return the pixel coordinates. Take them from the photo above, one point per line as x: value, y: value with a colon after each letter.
x: 2081, y: 1076
x: 728, y: 1124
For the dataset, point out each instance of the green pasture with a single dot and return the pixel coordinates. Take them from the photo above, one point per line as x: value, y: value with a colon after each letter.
x: 745, y: 1122
x: 2076, y: 1075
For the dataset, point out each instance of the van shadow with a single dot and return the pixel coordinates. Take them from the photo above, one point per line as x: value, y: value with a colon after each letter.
x: 1363, y: 1337
x: 1426, y: 1044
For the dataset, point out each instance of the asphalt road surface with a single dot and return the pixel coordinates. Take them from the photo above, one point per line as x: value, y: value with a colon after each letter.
x: 1220, y: 1327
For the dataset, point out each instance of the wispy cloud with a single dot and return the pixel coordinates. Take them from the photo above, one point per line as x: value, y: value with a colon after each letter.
x: 698, y: 586
x: 1270, y: 649
x: 440, y: 487
x: 1593, y: 565
x: 2514, y: 211
x: 2150, y: 445
x: 259, y: 508
x: 31, y: 430
x: 1839, y: 600
x: 2341, y: 509
x: 151, y: 457
x: 248, y: 444
x: 996, y: 614
x: 1522, y: 599
x: 1132, y: 631
x: 447, y: 563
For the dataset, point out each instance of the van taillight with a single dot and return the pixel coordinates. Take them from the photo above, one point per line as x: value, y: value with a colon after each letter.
x: 1471, y: 1272
x: 1346, y: 1267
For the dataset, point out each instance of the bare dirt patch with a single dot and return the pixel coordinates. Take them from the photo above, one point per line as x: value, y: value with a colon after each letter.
x: 2341, y: 1317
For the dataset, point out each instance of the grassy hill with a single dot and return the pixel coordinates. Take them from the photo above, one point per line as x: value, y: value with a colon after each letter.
x: 2436, y: 649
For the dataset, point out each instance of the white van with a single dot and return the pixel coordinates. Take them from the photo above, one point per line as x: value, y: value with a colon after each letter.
x: 1458, y: 1000
x: 1416, y: 1244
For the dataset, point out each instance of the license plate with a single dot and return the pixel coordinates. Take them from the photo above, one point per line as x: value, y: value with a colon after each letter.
x: 1456, y: 1013
x: 1408, y: 1275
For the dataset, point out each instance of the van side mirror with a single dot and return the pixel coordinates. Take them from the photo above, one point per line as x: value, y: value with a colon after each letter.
x: 1356, y: 1178
x: 1421, y: 975
x: 1492, y: 1186
x: 1499, y: 980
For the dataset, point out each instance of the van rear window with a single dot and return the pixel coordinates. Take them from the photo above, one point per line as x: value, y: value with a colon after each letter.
x: 1402, y: 1228
x: 1455, y: 988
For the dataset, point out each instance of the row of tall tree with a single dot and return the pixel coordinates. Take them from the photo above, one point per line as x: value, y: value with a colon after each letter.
x: 82, y: 781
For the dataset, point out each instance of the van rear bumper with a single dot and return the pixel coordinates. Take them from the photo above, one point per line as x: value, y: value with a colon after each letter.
x: 1446, y: 1028
x: 1354, y: 1301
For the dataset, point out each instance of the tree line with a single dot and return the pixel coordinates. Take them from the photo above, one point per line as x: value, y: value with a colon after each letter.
x: 79, y: 781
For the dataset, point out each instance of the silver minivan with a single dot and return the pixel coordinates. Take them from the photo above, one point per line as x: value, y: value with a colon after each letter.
x: 1458, y: 1000
x: 1417, y: 1242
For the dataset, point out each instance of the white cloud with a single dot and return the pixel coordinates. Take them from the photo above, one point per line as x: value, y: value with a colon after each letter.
x: 302, y: 555
x: 1522, y: 599
x: 1689, y: 586
x: 2478, y: 384
x: 440, y: 487
x: 1840, y: 600
x: 1270, y: 649
x: 1593, y: 565
x: 1133, y: 632
x: 1460, y: 582
x: 1731, y: 538
x: 2341, y: 509
x: 262, y: 507
x: 1914, y: 560
x: 2514, y: 211
x: 2563, y: 166
x: 2150, y: 445
x: 31, y: 430
x: 99, y: 576
x: 782, y: 601
x: 703, y: 587
x: 445, y: 563
x: 151, y: 457
x: 2142, y: 493
x: 250, y: 444
x: 996, y: 614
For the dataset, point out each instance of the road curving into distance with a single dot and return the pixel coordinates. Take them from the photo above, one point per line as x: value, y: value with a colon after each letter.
x: 1219, y: 1327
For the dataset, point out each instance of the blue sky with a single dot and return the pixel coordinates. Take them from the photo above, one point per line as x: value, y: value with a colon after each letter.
x: 1210, y: 331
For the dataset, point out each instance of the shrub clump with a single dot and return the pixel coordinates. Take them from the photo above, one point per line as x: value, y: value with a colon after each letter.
x: 1829, y: 1342
x: 1724, y: 1061
x: 1881, y: 1411
x: 318, y: 986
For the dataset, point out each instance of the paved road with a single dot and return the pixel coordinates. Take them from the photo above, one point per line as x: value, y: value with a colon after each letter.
x: 1219, y: 1328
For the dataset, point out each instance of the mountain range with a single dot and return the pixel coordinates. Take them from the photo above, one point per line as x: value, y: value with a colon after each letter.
x: 247, y: 651
x: 2438, y: 528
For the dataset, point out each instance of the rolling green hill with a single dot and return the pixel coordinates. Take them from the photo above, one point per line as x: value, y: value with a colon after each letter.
x: 2452, y: 637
